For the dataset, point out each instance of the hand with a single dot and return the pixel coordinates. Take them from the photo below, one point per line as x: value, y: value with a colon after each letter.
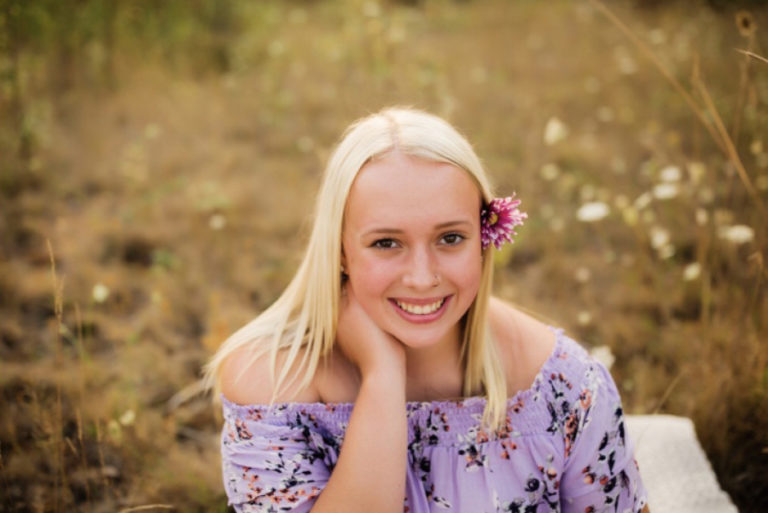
x: 364, y: 343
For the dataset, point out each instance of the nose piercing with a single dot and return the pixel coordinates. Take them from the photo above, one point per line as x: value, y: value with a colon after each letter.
x: 436, y: 280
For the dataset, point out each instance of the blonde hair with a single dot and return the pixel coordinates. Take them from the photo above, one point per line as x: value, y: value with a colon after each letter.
x: 305, y: 315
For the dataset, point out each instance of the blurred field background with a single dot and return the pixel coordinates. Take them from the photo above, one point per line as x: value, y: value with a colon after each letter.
x: 158, y: 161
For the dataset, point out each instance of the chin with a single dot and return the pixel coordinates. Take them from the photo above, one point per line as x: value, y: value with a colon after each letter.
x: 423, y: 340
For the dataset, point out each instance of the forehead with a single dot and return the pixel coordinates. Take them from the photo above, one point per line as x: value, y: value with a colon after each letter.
x: 405, y: 189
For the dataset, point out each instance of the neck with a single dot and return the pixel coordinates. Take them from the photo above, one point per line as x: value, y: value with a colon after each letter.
x: 435, y: 372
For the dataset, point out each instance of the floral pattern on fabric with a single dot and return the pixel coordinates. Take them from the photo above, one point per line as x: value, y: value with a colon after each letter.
x: 563, y: 448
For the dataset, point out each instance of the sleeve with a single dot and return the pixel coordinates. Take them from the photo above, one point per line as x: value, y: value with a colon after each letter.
x: 270, y: 466
x: 600, y: 473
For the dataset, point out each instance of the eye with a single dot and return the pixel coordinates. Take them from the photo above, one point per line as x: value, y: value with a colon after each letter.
x: 452, y: 239
x: 384, y: 244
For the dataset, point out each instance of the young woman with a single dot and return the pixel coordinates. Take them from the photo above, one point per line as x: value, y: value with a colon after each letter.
x: 386, y: 378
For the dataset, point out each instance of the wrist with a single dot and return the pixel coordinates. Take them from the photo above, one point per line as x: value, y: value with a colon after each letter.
x: 381, y: 377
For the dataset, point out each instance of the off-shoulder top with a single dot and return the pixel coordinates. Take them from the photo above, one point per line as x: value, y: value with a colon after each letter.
x: 563, y: 448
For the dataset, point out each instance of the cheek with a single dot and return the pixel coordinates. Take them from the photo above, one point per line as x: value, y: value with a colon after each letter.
x: 370, y: 277
x: 467, y: 271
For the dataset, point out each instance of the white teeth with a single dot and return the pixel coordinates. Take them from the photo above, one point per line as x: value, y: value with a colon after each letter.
x: 421, y: 309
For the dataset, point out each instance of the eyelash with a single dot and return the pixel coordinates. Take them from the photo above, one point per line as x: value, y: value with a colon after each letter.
x: 378, y: 244
x: 458, y: 238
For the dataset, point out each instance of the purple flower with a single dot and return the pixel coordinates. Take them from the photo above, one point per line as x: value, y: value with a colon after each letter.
x: 498, y: 220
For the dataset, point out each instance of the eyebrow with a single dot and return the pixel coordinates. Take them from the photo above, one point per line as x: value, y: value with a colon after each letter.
x: 439, y: 226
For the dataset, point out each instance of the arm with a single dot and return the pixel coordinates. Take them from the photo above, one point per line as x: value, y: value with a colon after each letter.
x: 370, y: 473
x: 262, y: 460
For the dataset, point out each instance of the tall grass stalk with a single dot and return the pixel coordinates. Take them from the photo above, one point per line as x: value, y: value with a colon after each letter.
x: 752, y: 55
x: 58, y: 424
x: 646, y: 50
x: 147, y: 508
x: 730, y: 147
x: 81, y: 399
x: 102, y: 467
x: 716, y: 129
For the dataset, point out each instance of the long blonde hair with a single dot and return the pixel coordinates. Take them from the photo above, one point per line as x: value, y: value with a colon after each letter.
x: 305, y: 315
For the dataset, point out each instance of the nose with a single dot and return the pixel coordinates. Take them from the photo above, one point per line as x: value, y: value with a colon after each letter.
x: 421, y: 272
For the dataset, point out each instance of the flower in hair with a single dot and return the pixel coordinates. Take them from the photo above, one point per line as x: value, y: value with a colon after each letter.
x: 498, y: 220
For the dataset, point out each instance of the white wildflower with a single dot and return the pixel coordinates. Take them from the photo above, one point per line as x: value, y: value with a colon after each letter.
x: 593, y: 211
x: 737, y: 234
x: 584, y: 318
x: 691, y: 271
x: 666, y: 251
x: 100, y: 293
x: 643, y: 201
x: 659, y: 237
x: 670, y: 174
x: 554, y: 131
x: 127, y: 418
x: 549, y: 171
x: 217, y: 222
x: 665, y: 191
x: 702, y: 217
x: 604, y: 355
x: 582, y: 274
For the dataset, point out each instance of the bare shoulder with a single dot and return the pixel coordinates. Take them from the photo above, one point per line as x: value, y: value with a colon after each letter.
x: 524, y: 343
x: 246, y: 380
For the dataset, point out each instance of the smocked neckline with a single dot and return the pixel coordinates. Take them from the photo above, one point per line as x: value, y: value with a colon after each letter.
x: 464, y: 402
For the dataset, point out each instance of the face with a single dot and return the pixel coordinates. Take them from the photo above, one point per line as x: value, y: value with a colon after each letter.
x: 411, y: 246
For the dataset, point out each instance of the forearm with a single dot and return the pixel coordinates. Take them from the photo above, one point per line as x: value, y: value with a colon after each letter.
x: 370, y: 473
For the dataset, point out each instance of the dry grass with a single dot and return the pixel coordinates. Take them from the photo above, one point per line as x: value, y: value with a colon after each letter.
x: 176, y: 201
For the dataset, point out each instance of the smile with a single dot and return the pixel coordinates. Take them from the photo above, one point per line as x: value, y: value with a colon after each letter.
x: 421, y: 309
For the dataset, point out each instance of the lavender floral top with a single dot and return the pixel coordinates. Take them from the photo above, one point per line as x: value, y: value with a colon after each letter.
x: 563, y: 449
